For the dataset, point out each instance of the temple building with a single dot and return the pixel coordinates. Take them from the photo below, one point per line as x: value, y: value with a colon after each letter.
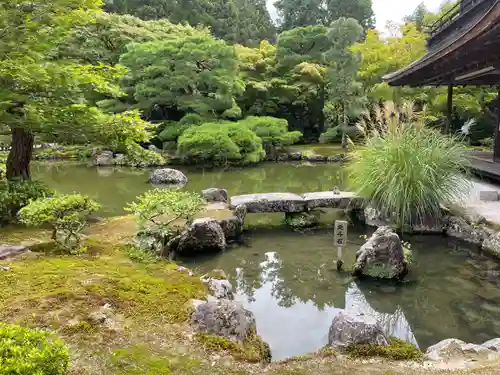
x: 463, y: 49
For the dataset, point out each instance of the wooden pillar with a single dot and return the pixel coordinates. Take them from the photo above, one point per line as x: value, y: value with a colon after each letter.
x: 449, y: 110
x: 496, y: 141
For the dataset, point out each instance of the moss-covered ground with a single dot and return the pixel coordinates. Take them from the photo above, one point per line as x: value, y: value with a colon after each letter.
x: 123, y: 313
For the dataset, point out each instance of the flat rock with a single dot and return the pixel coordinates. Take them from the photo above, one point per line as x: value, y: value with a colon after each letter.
x: 458, y: 228
x: 489, y: 196
x: 270, y: 202
x: 328, y: 199
x: 453, y: 349
x: 492, y: 344
x: 10, y: 251
x: 215, y: 195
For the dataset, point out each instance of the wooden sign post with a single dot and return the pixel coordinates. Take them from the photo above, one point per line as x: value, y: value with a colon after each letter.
x: 340, y: 240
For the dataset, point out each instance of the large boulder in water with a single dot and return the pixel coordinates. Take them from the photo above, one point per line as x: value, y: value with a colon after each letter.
x: 104, y: 159
x: 215, y: 195
x: 224, y: 318
x: 354, y: 329
x: 203, y: 234
x: 382, y: 256
x: 168, y: 176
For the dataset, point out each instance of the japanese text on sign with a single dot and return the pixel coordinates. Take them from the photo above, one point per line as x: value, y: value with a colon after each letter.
x: 340, y: 234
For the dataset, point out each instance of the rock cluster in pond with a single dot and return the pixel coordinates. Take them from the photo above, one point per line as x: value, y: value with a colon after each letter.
x: 382, y: 256
x: 168, y: 176
x: 110, y: 159
x: 308, y: 157
x: 352, y: 329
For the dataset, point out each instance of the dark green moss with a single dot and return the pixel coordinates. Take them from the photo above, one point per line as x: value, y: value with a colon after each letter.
x: 398, y: 350
x: 252, y: 350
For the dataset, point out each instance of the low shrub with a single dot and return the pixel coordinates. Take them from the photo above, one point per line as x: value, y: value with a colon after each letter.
x: 16, y: 194
x: 273, y: 131
x: 161, y: 214
x: 25, y: 351
x: 74, y: 152
x: 66, y: 214
x: 331, y: 135
x: 171, y: 131
x: 220, y: 143
x: 137, y: 156
x: 408, y: 170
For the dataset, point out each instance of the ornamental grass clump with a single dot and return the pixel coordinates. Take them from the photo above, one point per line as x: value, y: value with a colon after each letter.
x: 406, y: 169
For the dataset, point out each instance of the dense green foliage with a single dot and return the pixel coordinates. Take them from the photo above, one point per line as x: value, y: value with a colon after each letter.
x: 25, y: 351
x: 193, y: 74
x: 16, y: 194
x: 240, y: 21
x: 220, y: 143
x: 66, y: 214
x: 298, y: 13
x: 408, y: 170
x: 322, y: 72
x: 161, y: 214
x: 273, y: 131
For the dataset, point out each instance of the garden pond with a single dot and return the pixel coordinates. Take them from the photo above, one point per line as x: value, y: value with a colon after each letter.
x: 289, y: 280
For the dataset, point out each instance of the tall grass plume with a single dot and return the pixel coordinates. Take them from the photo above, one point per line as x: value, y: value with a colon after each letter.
x: 407, y: 170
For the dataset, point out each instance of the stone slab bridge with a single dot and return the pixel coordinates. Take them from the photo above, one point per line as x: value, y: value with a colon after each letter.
x: 294, y: 203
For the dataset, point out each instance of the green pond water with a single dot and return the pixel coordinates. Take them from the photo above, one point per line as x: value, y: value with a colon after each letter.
x: 288, y: 279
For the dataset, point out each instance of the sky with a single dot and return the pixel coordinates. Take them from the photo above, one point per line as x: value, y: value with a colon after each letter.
x: 386, y: 10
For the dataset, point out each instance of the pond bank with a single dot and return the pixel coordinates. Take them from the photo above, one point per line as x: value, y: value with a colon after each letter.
x: 138, y: 334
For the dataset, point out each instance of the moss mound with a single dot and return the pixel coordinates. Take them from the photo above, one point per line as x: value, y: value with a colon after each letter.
x: 252, y: 350
x: 398, y: 350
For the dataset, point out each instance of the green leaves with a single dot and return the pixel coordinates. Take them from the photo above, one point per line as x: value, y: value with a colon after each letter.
x: 25, y: 351
x: 194, y: 74
x: 220, y: 143
x: 161, y: 208
x: 408, y: 170
x: 238, y: 21
x: 65, y: 213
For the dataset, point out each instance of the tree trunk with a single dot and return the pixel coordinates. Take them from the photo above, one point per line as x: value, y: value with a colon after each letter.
x: 449, y: 110
x: 18, y: 161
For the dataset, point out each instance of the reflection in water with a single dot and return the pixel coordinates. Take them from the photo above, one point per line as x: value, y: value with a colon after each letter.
x: 289, y: 281
x: 394, y: 324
